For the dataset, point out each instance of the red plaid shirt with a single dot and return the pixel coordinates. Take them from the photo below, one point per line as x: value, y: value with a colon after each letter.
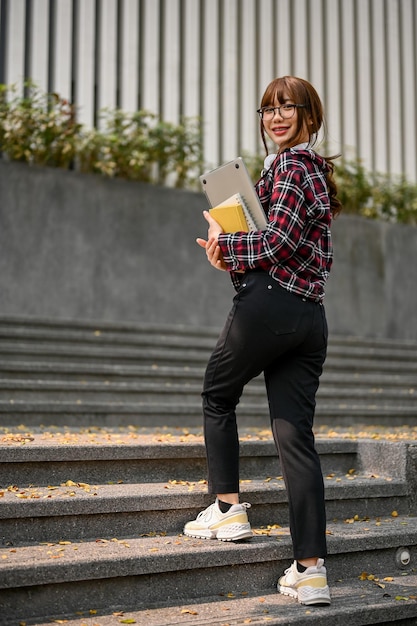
x: 296, y: 247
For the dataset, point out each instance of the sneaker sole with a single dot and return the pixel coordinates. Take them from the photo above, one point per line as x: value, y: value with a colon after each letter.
x: 234, y: 532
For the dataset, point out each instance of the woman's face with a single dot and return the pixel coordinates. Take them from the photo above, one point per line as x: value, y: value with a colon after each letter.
x: 281, y: 123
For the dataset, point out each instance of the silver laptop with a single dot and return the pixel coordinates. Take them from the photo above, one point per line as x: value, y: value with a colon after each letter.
x: 231, y: 178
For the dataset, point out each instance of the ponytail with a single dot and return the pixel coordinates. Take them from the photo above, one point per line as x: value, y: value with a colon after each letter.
x: 335, y: 204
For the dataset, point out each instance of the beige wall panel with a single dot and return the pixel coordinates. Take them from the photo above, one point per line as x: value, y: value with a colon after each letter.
x: 229, y: 84
x: 348, y: 77
x: 248, y: 91
x: 170, y: 83
x: 283, y: 37
x: 107, y: 56
x: 129, y: 78
x: 364, y: 147
x: 379, y: 86
x: 84, y: 70
x: 38, y: 60
x: 15, y: 55
x: 393, y: 129
x: 408, y: 104
x: 210, y: 102
x: 63, y: 48
x: 192, y: 59
x: 316, y: 46
x: 299, y: 38
x: 150, y: 62
x: 333, y: 78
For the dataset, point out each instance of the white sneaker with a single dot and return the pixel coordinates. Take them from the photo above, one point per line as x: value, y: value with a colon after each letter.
x: 310, y: 587
x: 213, y: 524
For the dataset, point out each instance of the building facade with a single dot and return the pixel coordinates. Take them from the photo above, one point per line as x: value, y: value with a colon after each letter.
x: 213, y: 59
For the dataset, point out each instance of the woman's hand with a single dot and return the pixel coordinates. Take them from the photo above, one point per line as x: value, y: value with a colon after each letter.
x: 213, y: 251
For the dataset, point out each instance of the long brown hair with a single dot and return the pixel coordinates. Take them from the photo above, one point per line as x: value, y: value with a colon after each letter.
x: 310, y: 117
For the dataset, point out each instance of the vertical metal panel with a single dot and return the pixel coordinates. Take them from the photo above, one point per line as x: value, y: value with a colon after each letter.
x: 15, y: 54
x: 248, y: 91
x: 332, y: 77
x: 379, y: 87
x: 393, y: 88
x: 83, y: 71
x: 229, y: 84
x: 267, y: 45
x: 62, y: 48
x: 348, y: 83
x: 170, y: 70
x: 150, y: 62
x: 39, y: 48
x: 210, y: 104
x: 364, y: 73
x: 407, y: 101
x: 267, y: 52
x: 129, y: 68
x: 316, y: 51
x: 106, y: 54
x: 3, y: 36
x: 283, y: 38
x: 191, y: 59
x: 299, y: 38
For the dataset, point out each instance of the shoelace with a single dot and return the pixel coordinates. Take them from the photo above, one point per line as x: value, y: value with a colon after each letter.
x: 206, y: 514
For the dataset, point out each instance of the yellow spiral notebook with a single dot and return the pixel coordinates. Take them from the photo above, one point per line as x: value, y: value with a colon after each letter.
x: 230, y: 214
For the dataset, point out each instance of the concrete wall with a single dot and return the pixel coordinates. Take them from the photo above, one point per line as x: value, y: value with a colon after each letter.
x: 79, y: 246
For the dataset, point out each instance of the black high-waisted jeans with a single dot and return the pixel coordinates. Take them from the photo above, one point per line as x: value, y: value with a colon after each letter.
x: 273, y: 331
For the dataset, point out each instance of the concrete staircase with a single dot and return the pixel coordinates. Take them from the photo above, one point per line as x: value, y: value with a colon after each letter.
x: 89, y: 373
x: 102, y: 462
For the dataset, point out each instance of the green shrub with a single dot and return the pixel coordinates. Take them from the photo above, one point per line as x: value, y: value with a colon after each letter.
x: 42, y: 129
x: 375, y: 195
x: 38, y: 129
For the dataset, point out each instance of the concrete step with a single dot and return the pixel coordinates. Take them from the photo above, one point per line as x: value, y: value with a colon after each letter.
x: 127, y: 333
x: 147, y: 414
x: 360, y: 359
x: 101, y: 455
x: 355, y: 602
x: 129, y: 573
x: 82, y: 511
x: 55, y: 486
x: 91, y: 515
x: 150, y: 390
x: 104, y: 372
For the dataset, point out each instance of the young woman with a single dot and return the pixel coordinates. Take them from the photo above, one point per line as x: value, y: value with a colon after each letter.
x: 277, y: 326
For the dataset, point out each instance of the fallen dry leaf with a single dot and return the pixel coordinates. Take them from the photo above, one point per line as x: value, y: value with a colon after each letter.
x: 189, y: 611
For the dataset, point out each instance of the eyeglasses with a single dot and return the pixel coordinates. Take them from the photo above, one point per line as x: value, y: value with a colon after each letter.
x: 285, y: 111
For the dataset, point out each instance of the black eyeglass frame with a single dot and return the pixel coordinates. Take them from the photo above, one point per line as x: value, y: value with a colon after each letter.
x: 260, y: 111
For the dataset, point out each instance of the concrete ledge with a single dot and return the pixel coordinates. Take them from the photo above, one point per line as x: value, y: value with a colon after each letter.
x: 84, y: 247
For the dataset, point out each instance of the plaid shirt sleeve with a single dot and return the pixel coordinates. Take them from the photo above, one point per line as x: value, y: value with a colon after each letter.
x: 295, y: 248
